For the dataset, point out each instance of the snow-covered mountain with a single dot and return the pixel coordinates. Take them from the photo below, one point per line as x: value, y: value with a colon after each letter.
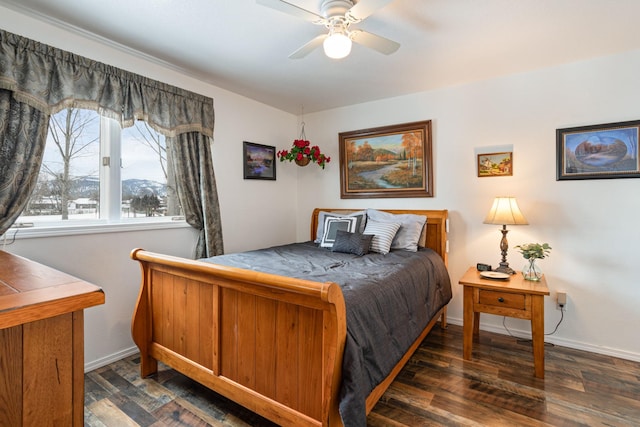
x: 90, y: 187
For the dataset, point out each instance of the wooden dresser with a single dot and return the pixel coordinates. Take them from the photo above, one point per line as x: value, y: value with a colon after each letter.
x: 42, y: 343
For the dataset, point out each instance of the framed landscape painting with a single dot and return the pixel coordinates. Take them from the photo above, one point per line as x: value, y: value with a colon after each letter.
x: 598, y: 151
x: 258, y: 161
x: 389, y: 161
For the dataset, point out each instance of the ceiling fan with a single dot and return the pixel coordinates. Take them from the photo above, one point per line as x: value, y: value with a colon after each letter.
x: 338, y: 16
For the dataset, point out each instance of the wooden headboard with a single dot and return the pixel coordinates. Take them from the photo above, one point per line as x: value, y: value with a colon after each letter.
x: 434, y: 235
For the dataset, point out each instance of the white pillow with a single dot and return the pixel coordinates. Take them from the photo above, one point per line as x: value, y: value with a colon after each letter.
x: 410, y: 231
x: 322, y: 216
x: 331, y: 227
x: 383, y: 234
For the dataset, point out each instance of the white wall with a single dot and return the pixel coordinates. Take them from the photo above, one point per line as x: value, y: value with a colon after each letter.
x: 591, y: 224
x: 254, y: 213
x: 103, y: 259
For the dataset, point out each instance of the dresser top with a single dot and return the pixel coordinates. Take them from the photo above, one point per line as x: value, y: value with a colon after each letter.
x: 31, y: 291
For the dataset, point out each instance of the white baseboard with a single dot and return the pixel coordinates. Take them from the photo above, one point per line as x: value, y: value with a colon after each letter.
x: 103, y: 361
x: 577, y: 345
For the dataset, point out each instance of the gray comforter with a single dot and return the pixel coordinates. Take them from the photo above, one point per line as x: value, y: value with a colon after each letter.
x: 389, y: 300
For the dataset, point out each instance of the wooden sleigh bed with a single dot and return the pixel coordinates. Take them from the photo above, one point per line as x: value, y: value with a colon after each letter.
x: 271, y: 343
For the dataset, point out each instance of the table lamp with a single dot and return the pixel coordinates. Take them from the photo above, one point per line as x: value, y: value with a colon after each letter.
x: 505, y: 212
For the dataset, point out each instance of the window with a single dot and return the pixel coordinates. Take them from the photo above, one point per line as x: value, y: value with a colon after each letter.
x: 94, y: 172
x: 148, y: 187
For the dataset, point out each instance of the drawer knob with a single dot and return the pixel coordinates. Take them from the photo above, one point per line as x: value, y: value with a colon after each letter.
x: 500, y: 299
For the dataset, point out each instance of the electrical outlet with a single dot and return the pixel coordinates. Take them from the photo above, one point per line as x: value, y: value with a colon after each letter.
x: 561, y: 301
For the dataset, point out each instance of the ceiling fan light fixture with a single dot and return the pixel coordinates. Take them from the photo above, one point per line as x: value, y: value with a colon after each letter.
x: 337, y: 45
x: 337, y: 16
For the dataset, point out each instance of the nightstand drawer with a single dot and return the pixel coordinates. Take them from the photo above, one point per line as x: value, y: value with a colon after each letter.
x: 501, y: 299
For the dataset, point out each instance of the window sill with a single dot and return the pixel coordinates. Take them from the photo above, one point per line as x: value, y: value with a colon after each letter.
x: 42, y: 230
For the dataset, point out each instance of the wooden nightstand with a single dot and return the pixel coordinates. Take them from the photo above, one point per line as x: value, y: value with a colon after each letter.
x: 514, y: 297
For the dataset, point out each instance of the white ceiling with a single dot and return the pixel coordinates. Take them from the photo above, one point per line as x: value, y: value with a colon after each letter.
x: 243, y: 47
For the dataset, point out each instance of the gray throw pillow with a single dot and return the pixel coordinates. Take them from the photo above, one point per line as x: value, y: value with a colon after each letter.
x: 352, y: 243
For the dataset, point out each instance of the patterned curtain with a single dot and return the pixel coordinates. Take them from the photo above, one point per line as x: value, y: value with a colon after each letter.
x: 23, y: 134
x: 193, y: 165
x: 49, y: 80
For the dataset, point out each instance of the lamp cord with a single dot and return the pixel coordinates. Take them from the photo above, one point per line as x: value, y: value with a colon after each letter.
x: 13, y: 238
x: 526, y: 340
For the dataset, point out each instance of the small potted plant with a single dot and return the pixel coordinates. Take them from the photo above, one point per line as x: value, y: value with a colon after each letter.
x: 302, y: 153
x: 531, y: 252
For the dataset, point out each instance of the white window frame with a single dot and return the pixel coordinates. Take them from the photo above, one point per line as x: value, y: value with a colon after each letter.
x: 110, y: 200
x: 110, y: 161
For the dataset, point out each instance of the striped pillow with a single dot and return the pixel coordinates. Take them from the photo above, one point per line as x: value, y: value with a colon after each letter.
x: 383, y: 234
x: 408, y: 237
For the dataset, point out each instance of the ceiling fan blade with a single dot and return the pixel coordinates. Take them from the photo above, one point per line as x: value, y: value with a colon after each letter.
x: 364, y: 8
x: 374, y: 42
x: 292, y: 9
x: 309, y: 47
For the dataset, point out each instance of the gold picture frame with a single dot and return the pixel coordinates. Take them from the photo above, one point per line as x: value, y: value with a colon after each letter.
x: 495, y: 164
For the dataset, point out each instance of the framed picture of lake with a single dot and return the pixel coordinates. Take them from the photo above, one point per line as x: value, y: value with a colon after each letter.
x: 258, y: 161
x: 598, y: 151
x: 389, y: 161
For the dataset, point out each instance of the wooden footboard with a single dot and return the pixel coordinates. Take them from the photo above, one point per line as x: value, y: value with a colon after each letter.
x: 272, y: 344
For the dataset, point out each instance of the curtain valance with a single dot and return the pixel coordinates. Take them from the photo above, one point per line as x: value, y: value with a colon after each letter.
x: 52, y: 79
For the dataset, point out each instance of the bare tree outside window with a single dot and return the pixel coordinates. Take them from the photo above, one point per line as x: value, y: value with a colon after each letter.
x: 69, y: 133
x: 68, y: 182
x: 144, y: 148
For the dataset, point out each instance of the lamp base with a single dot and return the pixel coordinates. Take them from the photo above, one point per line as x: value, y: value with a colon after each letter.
x: 504, y: 247
x: 504, y: 268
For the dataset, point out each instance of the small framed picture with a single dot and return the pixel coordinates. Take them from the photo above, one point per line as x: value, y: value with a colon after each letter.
x: 495, y: 164
x: 258, y: 161
x: 598, y: 151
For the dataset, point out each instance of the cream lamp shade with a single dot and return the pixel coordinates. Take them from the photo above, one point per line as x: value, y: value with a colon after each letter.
x: 505, y: 211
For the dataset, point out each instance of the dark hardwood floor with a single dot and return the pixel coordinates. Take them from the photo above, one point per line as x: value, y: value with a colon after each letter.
x: 436, y: 388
